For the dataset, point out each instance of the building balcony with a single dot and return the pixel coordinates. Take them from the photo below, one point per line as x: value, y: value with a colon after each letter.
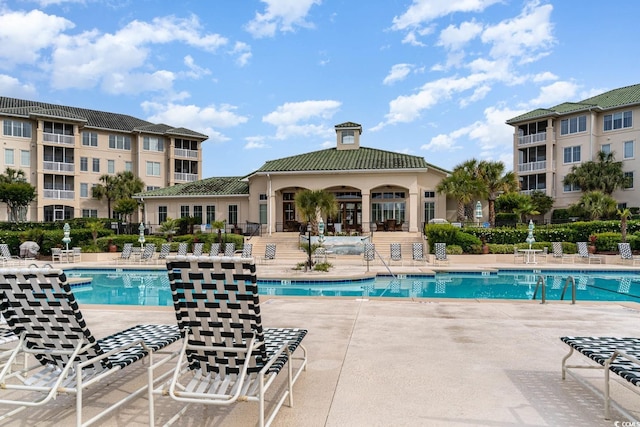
x: 186, y: 177
x: 59, y: 194
x: 534, y: 138
x: 55, y: 138
x: 530, y: 192
x: 532, y: 166
x: 58, y: 166
x: 181, y: 152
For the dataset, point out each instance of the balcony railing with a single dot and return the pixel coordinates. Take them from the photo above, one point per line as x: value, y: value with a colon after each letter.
x: 59, y: 139
x: 188, y: 177
x: 181, y: 152
x: 59, y: 194
x: 58, y: 166
x: 532, y: 166
x: 532, y: 139
x: 530, y: 192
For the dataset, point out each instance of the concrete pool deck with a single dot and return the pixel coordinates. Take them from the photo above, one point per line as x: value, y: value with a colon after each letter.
x: 383, y: 362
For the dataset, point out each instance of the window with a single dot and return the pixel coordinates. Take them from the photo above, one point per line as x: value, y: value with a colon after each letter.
x: 153, y: 168
x: 8, y: 156
x: 429, y: 211
x: 186, y: 144
x: 25, y: 158
x: 128, y: 166
x: 572, y: 154
x: 628, y: 176
x: 628, y: 149
x: 120, y: 142
x: 84, y: 189
x: 184, y: 211
x: 618, y: 120
x: 152, y: 187
x: 197, y: 213
x: 605, y: 148
x: 96, y: 165
x: 211, y: 214
x: 573, y: 125
x: 152, y: 143
x: 233, y: 214
x: 570, y: 188
x: 263, y: 196
x: 262, y: 213
x: 111, y: 166
x: 58, y: 128
x: 162, y: 214
x: 429, y: 194
x: 90, y: 139
x: 17, y: 128
x: 84, y: 164
x: 348, y: 137
x: 89, y: 213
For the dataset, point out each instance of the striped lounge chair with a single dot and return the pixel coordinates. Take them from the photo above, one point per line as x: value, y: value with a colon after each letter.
x: 440, y: 250
x: 227, y: 356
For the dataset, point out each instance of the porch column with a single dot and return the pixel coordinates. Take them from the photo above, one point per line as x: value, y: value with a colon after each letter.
x: 414, y: 211
x: 366, y: 211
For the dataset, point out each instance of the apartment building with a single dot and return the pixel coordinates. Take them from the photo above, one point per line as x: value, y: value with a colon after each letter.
x: 547, y: 142
x: 64, y: 150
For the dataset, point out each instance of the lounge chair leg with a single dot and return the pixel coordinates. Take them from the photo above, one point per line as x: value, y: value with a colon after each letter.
x: 564, y: 363
x: 607, y: 397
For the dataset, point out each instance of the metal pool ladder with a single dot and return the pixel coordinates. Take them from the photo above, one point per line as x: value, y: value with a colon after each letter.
x: 541, y: 283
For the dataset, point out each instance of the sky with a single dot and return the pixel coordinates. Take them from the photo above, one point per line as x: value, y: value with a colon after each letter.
x: 267, y: 79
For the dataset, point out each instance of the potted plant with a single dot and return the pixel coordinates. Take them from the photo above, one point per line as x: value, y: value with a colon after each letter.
x: 485, y: 247
x: 592, y: 243
x: 112, y: 246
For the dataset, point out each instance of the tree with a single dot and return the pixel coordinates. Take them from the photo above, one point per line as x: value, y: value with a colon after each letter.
x: 494, y: 181
x: 624, y: 215
x: 604, y: 175
x: 108, y: 189
x: 542, y: 202
x: 526, y: 209
x: 95, y: 226
x: 17, y: 193
x: 315, y: 203
x: 169, y: 227
x: 125, y: 208
x: 597, y: 204
x: 121, y: 186
x: 462, y: 185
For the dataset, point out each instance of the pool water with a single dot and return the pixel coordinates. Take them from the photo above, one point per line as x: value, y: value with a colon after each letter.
x: 151, y: 287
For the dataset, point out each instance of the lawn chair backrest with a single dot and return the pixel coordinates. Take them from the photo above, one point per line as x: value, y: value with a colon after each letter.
x: 217, y: 299
x: 197, y: 248
x: 165, y: 250
x: 247, y: 249
x: 625, y: 250
x: 149, y: 251
x: 396, y: 251
x: 440, y: 250
x: 182, y: 249
x: 4, y: 251
x: 557, y: 249
x: 583, y: 252
x: 369, y: 253
x: 270, y: 251
x: 229, y: 249
x: 126, y: 251
x: 418, y: 251
x: 215, y: 249
x: 40, y: 302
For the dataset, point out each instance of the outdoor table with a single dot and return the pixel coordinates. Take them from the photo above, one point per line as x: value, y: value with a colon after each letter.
x: 67, y: 255
x: 530, y: 255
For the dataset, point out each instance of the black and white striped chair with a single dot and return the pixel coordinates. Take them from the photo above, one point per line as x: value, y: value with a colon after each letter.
x: 369, y: 253
x: 125, y: 256
x: 197, y: 248
x: 165, y: 250
x: 247, y: 250
x: 227, y: 356
x: 583, y: 254
x: 215, y: 249
x: 626, y: 255
x: 229, y: 249
x: 395, y: 255
x: 182, y: 249
x: 269, y: 253
x: 148, y: 252
x: 41, y: 309
x: 440, y: 250
x: 417, y: 250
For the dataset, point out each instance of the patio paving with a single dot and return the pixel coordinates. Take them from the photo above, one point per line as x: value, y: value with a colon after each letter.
x: 392, y: 362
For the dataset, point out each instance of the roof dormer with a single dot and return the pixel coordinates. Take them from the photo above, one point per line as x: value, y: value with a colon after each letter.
x: 348, y: 136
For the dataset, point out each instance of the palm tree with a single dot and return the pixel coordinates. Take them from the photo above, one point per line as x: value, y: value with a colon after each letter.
x: 597, y: 204
x: 604, y: 175
x: 624, y: 215
x: 121, y: 186
x: 462, y: 185
x: 315, y: 203
x: 108, y: 190
x: 526, y: 208
x: 495, y: 181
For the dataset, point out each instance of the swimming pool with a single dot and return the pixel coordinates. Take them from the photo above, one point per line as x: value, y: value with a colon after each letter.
x: 151, y: 287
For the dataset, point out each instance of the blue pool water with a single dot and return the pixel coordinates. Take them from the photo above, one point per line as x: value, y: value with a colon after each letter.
x: 151, y: 287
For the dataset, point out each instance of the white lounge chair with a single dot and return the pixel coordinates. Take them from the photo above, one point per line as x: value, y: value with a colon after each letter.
x: 626, y: 255
x: 584, y: 255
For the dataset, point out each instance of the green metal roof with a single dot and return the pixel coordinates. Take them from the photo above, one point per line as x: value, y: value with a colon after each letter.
x: 225, y: 186
x: 333, y: 159
x: 616, y: 98
x: 92, y: 118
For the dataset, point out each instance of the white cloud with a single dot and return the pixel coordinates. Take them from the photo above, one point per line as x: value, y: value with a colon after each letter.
x: 243, y: 51
x: 423, y: 11
x: 12, y: 87
x: 24, y: 35
x: 201, y: 119
x: 554, y: 94
x: 398, y: 72
x: 544, y: 77
x: 255, y: 142
x: 288, y: 117
x: 45, y: 3
x: 478, y: 94
x: 454, y: 38
x: 195, y: 71
x: 280, y: 15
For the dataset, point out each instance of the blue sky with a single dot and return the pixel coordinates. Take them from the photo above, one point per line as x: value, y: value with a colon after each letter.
x: 267, y: 79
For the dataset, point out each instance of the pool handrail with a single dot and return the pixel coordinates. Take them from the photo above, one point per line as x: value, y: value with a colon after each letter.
x: 543, y: 295
x: 573, y: 289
